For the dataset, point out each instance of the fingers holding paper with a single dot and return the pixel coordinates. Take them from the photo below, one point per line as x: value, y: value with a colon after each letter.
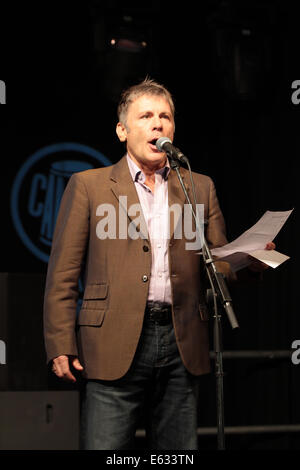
x: 270, y: 246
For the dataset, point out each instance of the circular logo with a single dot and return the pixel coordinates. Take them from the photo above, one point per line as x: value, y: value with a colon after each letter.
x: 38, y: 188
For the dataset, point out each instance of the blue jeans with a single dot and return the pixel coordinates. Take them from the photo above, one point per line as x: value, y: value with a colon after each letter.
x: 157, y: 382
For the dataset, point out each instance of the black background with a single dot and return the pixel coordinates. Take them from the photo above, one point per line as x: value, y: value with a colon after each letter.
x: 63, y: 78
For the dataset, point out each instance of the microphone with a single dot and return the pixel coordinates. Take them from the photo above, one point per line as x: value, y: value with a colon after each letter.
x: 164, y: 144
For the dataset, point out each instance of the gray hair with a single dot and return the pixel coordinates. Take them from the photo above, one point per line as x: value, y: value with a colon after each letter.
x: 146, y: 87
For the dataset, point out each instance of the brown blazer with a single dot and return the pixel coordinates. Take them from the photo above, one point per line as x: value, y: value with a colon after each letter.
x: 106, y: 332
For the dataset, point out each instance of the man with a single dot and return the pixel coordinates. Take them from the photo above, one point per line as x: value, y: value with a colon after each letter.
x: 141, y: 337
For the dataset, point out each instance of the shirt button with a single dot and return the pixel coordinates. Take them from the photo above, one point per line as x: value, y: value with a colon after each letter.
x: 145, y: 248
x: 145, y: 278
x: 158, y: 246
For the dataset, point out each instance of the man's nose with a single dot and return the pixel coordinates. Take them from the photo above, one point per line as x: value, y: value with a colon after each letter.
x: 157, y: 122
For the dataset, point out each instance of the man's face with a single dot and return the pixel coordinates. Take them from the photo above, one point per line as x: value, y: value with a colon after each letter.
x: 148, y: 118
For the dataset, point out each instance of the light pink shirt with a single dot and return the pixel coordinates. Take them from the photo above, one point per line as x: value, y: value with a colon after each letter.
x: 155, y: 211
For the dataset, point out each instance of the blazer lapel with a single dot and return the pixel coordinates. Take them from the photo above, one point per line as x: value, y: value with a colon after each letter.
x: 176, y: 201
x: 124, y: 190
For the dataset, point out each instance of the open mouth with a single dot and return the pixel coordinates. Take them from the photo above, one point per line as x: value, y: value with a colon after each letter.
x: 152, y: 144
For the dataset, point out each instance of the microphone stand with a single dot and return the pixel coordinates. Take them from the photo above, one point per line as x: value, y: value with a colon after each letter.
x: 219, y: 294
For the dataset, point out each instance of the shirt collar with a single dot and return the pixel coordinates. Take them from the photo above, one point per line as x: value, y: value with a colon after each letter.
x: 138, y: 175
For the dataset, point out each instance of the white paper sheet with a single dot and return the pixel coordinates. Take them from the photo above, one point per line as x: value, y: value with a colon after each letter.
x: 271, y: 257
x: 253, y: 241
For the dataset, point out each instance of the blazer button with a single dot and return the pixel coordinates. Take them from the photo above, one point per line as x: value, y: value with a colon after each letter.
x: 145, y: 278
x: 145, y: 248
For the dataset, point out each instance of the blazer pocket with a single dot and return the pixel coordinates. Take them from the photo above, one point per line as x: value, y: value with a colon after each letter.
x: 95, y: 292
x: 90, y: 317
x: 94, y: 305
x: 203, y: 310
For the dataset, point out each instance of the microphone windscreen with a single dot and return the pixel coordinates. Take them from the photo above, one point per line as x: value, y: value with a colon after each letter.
x: 161, y: 141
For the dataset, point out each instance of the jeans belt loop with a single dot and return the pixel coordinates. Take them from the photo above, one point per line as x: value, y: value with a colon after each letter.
x: 159, y: 312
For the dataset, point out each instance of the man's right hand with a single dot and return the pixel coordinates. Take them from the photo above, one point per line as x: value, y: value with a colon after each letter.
x: 61, y: 367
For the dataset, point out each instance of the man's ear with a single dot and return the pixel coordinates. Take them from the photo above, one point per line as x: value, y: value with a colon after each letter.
x: 121, y: 132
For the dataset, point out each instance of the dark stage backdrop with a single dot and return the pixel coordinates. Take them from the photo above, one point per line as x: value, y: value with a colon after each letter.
x: 231, y: 67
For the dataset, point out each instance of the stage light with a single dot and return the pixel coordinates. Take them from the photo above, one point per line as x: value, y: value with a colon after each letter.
x: 123, y: 47
x: 244, y: 49
x: 128, y: 45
